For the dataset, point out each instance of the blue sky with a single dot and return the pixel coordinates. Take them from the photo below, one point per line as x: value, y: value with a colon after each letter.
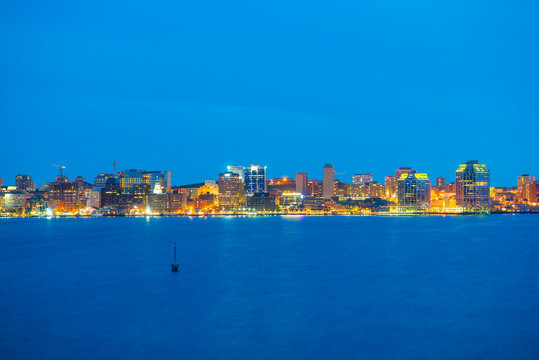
x: 191, y: 87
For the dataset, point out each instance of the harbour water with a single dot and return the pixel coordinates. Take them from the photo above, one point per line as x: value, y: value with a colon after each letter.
x: 453, y: 287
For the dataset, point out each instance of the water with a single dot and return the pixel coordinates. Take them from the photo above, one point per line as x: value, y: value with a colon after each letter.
x: 270, y: 287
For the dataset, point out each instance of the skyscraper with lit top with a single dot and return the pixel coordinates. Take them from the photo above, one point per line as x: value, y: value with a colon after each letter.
x: 472, y: 183
x: 255, y: 179
x: 413, y: 191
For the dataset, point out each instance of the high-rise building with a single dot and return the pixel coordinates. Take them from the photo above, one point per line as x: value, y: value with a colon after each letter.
x: 231, y: 191
x: 362, y: 179
x: 24, y: 183
x: 111, y: 193
x: 521, y: 185
x: 529, y: 191
x: 101, y: 179
x: 413, y: 191
x: 472, y: 185
x: 402, y: 170
x: 440, y: 183
x: 390, y: 187
x: 157, y: 177
x: 128, y: 178
x: 261, y: 202
x: 64, y: 195
x: 237, y: 169
x: 255, y: 179
x: 328, y: 181
x: 301, y: 183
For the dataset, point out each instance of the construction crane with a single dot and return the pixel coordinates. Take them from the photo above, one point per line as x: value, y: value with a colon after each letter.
x: 61, y: 168
x: 114, y: 164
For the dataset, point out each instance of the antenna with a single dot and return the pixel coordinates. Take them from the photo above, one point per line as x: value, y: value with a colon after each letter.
x: 61, y: 168
x: 114, y: 164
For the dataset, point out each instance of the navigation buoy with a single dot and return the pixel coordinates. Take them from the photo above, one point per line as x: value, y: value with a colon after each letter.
x: 175, y: 266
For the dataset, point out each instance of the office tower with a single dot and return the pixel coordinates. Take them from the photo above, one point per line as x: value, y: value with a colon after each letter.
x: 521, y: 185
x: 237, y: 169
x: 413, y: 191
x: 111, y: 193
x: 128, y: 178
x: 341, y: 190
x: 390, y: 186
x: 402, y: 170
x: 94, y: 200
x: 101, y: 179
x: 231, y: 191
x: 472, y: 187
x: 157, y: 177
x: 24, y: 183
x: 529, y: 192
x: 362, y: 179
x: 301, y: 183
x: 440, y: 183
x: 328, y: 180
x: 140, y: 194
x: 255, y: 179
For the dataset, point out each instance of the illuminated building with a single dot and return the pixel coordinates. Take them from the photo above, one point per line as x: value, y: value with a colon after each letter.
x: 390, y: 186
x: 64, y: 196
x: 282, y: 185
x: 315, y: 189
x: 157, y: 177
x: 237, y: 169
x: 24, y: 183
x: 290, y: 200
x: 529, y: 191
x: 341, y: 190
x: 413, y: 191
x: 157, y: 201
x: 14, y: 200
x: 140, y: 193
x: 328, y: 180
x: 261, y: 202
x: 128, y: 178
x: 440, y: 183
x: 255, y: 179
x: 1, y: 182
x: 524, y: 188
x: 301, y: 183
x: 402, y: 170
x: 361, y: 179
x: 368, y: 190
x: 231, y: 191
x: 472, y: 182
x: 94, y: 199
x: 177, y: 201
x: 101, y: 179
x: 81, y: 181
x: 37, y: 204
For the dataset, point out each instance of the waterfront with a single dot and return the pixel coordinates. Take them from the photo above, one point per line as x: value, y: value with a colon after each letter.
x: 270, y: 287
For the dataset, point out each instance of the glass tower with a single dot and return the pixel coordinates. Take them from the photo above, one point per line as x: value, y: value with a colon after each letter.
x: 255, y: 179
x: 472, y: 181
x: 413, y: 191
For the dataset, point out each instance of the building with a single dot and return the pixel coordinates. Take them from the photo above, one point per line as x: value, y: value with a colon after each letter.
x: 157, y: 202
x: 177, y: 201
x: 111, y: 193
x: 154, y: 178
x: 237, y: 169
x: 14, y: 200
x: 255, y: 179
x: 301, y: 183
x: 101, y: 179
x: 523, y: 187
x: 529, y: 191
x: 402, y: 170
x: 1, y: 182
x: 140, y: 194
x: 440, y: 183
x: 472, y: 185
x: 231, y: 191
x: 128, y: 178
x: 341, y: 190
x: 291, y: 200
x: 361, y: 179
x: 390, y: 185
x: 282, y: 185
x: 94, y: 200
x: 413, y: 191
x: 24, y: 183
x: 315, y: 189
x: 328, y: 181
x: 261, y: 202
x: 65, y: 195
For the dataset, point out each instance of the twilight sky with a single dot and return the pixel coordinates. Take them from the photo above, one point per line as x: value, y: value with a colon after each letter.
x: 192, y: 86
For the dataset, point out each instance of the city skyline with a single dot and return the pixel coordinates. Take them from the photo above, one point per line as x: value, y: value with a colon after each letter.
x: 367, y: 86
